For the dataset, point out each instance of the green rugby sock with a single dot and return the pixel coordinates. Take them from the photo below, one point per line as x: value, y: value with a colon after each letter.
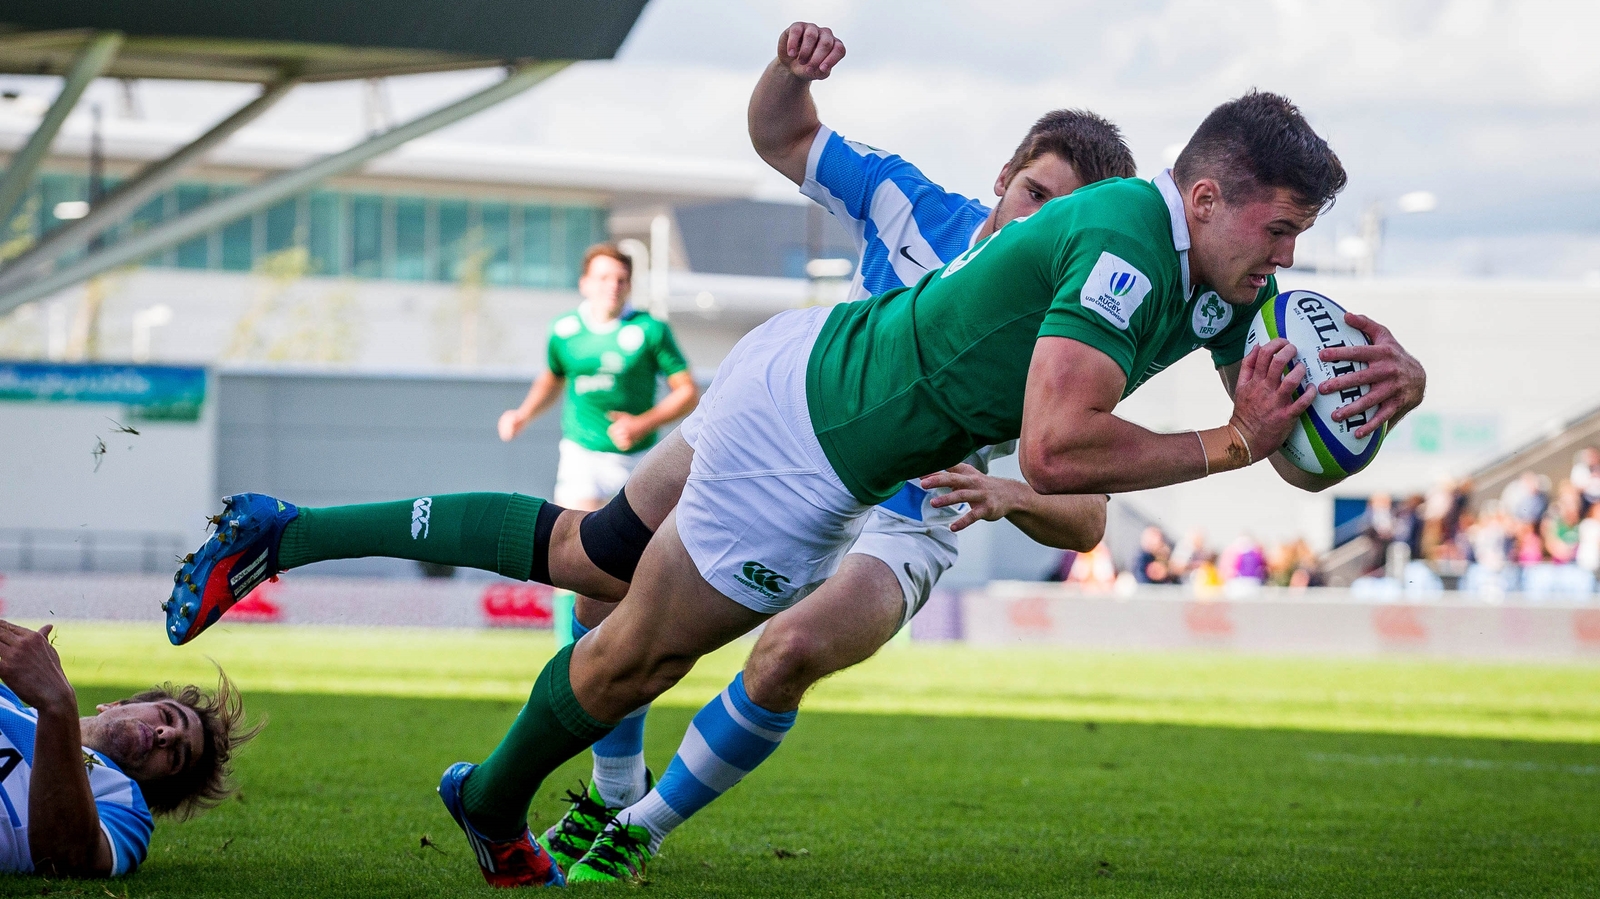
x: 492, y: 531
x: 549, y: 730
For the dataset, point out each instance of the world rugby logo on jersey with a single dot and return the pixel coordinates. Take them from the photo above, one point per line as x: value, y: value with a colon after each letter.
x: 1115, y: 289
x: 1211, y: 315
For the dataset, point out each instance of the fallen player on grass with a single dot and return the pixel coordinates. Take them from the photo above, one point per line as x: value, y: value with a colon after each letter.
x: 79, y: 792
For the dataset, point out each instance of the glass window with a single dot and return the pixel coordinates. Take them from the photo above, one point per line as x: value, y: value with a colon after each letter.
x: 410, y: 239
x: 495, y: 220
x: 366, y: 236
x: 239, y: 245
x: 193, y: 253
x: 282, y: 220
x: 55, y: 189
x: 326, y: 234
x: 454, y: 243
x: 143, y: 219
x: 537, y: 231
x: 580, y: 236
x: 238, y: 249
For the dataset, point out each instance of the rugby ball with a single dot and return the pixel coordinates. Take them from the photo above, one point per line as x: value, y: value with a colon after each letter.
x: 1313, y: 323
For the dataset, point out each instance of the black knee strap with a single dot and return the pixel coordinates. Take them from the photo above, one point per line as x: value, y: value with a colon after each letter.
x: 614, y: 538
x: 544, y: 525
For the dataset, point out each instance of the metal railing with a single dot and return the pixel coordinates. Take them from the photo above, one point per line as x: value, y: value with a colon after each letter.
x: 89, y: 550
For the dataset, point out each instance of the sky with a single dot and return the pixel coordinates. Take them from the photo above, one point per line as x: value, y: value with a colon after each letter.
x: 1492, y: 106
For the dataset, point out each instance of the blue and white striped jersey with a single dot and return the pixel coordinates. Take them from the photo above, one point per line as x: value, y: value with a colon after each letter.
x: 904, y: 226
x: 123, y: 815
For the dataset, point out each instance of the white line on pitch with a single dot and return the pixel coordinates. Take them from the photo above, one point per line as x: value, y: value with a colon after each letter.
x: 1447, y: 762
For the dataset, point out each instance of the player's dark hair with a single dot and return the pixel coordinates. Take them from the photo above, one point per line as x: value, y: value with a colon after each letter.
x: 206, y: 781
x: 1259, y: 142
x: 1090, y: 144
x: 608, y: 250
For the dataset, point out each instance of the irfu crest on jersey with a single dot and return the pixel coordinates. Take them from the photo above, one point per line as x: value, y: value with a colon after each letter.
x: 1211, y: 315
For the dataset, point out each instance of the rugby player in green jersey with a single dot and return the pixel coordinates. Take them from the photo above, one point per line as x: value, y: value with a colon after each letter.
x: 608, y: 356
x: 1036, y: 333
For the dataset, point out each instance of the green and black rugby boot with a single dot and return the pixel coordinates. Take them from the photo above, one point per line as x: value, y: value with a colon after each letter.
x: 618, y: 854
x: 587, y: 816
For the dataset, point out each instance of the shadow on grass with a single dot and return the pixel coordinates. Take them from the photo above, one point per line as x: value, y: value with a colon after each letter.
x: 338, y: 800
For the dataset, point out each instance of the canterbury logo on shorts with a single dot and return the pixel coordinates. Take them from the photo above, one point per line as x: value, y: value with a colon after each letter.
x: 762, y: 579
x: 421, y: 511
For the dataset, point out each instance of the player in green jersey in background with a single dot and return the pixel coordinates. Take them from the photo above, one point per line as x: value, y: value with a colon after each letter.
x: 609, y: 356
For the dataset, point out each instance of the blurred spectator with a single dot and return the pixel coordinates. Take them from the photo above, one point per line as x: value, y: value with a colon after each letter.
x: 1442, y: 513
x: 1094, y: 571
x: 1588, y: 555
x: 1243, y: 560
x: 1527, y: 498
x: 1153, y: 565
x: 1294, y: 565
x: 1586, y: 477
x: 1560, y: 526
x: 1526, y: 547
x: 1064, y: 565
x: 1379, y: 530
x: 1408, y: 528
x: 1491, y: 538
x: 1204, y: 578
x: 1189, y: 554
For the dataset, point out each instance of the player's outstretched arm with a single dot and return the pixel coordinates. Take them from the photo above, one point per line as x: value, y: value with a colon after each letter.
x: 1073, y: 442
x: 782, y: 116
x: 541, y: 396
x: 1396, y: 378
x: 1064, y: 522
x: 64, y: 835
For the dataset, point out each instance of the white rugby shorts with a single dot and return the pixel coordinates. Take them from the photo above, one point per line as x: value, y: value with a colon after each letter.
x: 585, y: 477
x: 763, y: 515
x: 918, y: 553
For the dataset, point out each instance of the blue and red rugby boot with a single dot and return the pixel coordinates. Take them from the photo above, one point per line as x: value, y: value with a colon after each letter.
x: 234, y: 560
x: 521, y: 862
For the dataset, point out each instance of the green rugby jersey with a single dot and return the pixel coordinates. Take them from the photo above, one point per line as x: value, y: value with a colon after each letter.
x: 610, y: 370
x: 913, y: 380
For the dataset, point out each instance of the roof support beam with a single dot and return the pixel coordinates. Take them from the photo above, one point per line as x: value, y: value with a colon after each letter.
x: 96, y: 55
x: 130, y: 195
x: 279, y: 187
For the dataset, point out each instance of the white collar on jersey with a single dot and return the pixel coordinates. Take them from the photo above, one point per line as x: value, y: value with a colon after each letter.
x: 1180, y: 224
x: 598, y: 325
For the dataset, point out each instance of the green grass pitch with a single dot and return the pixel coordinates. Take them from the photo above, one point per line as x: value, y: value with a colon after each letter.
x: 929, y: 771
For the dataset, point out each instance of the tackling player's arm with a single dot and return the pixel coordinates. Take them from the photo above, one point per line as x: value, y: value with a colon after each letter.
x: 683, y: 393
x: 782, y: 116
x: 541, y: 396
x: 64, y: 834
x: 1073, y: 442
x: 1064, y: 522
